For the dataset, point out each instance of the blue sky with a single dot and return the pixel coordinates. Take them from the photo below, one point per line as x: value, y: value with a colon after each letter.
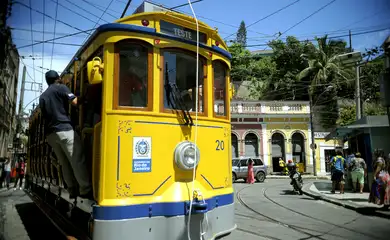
x: 336, y: 19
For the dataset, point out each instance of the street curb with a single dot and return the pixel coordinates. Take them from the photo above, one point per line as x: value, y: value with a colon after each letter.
x: 362, y: 210
x: 303, y: 177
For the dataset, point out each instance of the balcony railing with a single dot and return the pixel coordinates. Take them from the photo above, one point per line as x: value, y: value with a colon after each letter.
x: 260, y: 107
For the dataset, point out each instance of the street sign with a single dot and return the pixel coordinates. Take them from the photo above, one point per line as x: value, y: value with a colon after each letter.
x: 10, y: 146
x: 313, y: 146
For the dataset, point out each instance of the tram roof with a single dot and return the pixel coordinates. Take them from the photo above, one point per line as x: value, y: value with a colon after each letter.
x: 140, y: 11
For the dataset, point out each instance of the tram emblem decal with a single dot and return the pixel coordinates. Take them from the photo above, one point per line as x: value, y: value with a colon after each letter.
x: 142, y: 157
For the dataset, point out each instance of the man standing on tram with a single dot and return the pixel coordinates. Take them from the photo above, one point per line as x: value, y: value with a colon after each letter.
x: 66, y: 143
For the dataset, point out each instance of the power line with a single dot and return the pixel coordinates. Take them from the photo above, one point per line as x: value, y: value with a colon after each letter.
x: 55, y: 28
x: 78, y: 14
x: 363, y: 19
x: 67, y: 24
x: 315, y: 12
x: 32, y: 37
x: 339, y: 36
x: 85, y: 10
x: 97, y: 7
x: 185, y: 4
x: 43, y: 36
x: 100, y: 18
x: 269, y: 15
x: 56, y: 43
x: 38, y: 31
x: 216, y: 21
x: 65, y: 36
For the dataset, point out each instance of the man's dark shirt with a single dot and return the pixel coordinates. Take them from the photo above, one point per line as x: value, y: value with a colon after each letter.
x: 54, y: 104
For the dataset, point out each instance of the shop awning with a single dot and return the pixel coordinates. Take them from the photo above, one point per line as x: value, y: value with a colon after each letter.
x: 359, y: 125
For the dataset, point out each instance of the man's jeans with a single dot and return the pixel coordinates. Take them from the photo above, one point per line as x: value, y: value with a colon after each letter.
x: 68, y: 149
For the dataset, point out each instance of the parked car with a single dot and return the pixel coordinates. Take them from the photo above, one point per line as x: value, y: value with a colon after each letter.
x: 240, y: 169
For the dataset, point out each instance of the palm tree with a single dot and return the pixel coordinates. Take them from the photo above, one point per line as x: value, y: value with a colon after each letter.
x: 324, y: 66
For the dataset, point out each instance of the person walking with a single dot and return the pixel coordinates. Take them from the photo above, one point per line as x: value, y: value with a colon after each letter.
x: 358, y: 172
x: 7, y: 172
x: 338, y: 166
x: 251, y: 177
x: 20, y: 168
x: 380, y: 167
x: 66, y: 143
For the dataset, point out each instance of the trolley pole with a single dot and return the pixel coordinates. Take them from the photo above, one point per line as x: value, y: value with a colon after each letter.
x: 126, y: 7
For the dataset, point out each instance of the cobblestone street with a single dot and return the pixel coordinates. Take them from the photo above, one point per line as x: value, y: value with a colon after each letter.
x: 21, y: 219
x: 268, y: 210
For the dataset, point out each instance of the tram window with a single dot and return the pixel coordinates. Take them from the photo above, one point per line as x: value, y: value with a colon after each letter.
x: 220, y: 75
x: 133, y: 75
x: 182, y: 74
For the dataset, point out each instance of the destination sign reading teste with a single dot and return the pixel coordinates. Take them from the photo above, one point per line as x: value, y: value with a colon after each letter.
x: 182, y: 32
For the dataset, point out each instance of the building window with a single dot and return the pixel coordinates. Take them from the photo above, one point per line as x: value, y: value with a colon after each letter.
x: 134, y: 74
x: 219, y: 87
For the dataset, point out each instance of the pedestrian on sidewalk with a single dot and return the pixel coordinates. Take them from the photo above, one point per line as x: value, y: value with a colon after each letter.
x: 348, y: 159
x: 380, y: 190
x: 7, y: 171
x: 251, y: 177
x: 358, y: 172
x: 20, y: 167
x: 338, y: 166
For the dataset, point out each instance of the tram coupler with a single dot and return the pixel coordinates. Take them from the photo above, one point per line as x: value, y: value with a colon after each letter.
x: 197, y: 206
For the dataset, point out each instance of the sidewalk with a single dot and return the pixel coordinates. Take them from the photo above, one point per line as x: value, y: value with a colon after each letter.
x: 320, y: 190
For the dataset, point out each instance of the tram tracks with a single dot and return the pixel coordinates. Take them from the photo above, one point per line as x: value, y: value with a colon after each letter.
x: 296, y: 228
x: 274, y: 220
x: 318, y: 219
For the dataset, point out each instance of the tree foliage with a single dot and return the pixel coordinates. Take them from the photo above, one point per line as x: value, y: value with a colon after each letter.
x: 297, y: 66
x: 241, y: 34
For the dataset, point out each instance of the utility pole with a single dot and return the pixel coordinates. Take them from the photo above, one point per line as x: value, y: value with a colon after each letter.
x: 358, y: 102
x: 22, y: 92
x: 313, y: 145
x: 350, y: 41
x: 126, y: 7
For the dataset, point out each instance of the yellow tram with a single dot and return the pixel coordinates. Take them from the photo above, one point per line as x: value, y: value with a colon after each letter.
x: 138, y: 127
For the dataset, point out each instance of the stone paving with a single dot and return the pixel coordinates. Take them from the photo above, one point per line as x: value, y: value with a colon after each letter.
x: 11, y: 226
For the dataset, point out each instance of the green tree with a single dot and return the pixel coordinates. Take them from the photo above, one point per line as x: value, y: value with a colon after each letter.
x: 241, y: 34
x: 324, y: 67
x: 262, y: 72
x: 241, y: 59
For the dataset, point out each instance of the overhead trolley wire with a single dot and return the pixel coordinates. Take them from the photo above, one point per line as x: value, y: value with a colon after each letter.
x: 315, y: 12
x: 67, y: 24
x: 43, y: 38
x: 99, y: 8
x: 296, y: 24
x: 85, y: 10
x: 333, y: 37
x: 32, y: 37
x: 55, y: 29
x: 71, y: 10
x: 99, y: 19
x: 363, y: 19
x: 269, y: 15
x: 38, y: 31
x: 53, y: 39
x: 185, y: 4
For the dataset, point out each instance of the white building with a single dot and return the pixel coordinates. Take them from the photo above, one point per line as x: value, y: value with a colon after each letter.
x: 8, y: 97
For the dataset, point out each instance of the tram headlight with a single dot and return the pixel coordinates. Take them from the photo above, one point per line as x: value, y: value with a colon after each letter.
x: 185, y: 156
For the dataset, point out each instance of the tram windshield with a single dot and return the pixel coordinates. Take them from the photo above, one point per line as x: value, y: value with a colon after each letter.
x: 181, y: 72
